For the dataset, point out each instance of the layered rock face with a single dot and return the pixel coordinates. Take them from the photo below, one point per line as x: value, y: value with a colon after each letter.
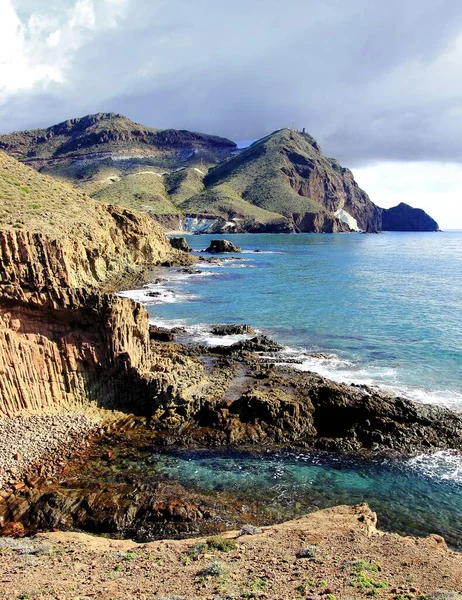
x: 62, y: 340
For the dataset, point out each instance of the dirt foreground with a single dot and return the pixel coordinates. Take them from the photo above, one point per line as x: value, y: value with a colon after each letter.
x: 333, y: 554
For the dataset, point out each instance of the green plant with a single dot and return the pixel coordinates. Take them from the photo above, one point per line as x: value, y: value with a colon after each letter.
x: 213, y: 569
x: 255, y: 586
x: 220, y: 543
x: 365, y: 566
x: 363, y: 581
x: 196, y: 550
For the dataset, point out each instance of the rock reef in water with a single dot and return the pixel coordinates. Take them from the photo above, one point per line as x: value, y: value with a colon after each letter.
x: 180, y: 244
x: 222, y: 246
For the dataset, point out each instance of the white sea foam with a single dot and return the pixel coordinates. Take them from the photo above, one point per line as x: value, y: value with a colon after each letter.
x: 342, y: 370
x: 156, y: 294
x: 200, y: 333
x: 443, y: 465
x: 258, y: 251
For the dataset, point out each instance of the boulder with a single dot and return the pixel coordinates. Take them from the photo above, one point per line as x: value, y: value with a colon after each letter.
x: 260, y: 343
x: 161, y: 334
x: 219, y: 246
x: 179, y: 243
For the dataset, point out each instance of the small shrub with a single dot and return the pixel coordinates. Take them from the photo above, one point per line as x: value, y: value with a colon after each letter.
x: 220, y: 543
x: 255, y: 586
x: 129, y: 556
x: 365, y: 566
x: 363, y: 581
x: 196, y: 550
x: 213, y: 569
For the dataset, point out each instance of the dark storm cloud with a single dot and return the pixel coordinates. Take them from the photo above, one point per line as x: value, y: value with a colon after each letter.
x: 371, y: 80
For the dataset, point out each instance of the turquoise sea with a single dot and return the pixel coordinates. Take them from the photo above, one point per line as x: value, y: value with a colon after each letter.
x: 386, y: 309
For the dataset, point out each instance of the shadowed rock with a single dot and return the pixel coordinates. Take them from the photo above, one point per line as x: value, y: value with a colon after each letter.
x: 179, y: 243
x: 221, y: 246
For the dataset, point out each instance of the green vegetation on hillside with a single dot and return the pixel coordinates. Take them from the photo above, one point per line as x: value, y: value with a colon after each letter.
x: 225, y: 202
x: 283, y: 178
x: 185, y: 182
x: 41, y: 202
x: 271, y: 173
x: 104, y: 133
x: 143, y: 191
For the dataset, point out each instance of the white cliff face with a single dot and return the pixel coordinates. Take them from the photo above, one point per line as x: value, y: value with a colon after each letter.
x: 198, y: 225
x: 345, y: 217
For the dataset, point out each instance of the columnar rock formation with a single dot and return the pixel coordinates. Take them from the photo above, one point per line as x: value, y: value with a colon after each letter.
x: 62, y: 339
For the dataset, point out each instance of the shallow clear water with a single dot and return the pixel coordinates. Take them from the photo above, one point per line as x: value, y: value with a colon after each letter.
x: 387, y: 307
x: 414, y: 496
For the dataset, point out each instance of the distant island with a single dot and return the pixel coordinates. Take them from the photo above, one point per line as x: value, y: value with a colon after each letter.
x: 203, y: 184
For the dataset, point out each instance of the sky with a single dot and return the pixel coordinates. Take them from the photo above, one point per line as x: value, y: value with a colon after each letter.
x: 378, y: 84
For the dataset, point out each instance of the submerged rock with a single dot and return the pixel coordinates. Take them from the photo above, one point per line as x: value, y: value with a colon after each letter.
x: 219, y: 246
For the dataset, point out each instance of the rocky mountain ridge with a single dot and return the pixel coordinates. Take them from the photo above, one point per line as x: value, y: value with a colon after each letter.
x: 281, y: 183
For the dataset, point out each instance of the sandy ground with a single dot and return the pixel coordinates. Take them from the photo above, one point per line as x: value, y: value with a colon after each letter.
x: 346, y: 558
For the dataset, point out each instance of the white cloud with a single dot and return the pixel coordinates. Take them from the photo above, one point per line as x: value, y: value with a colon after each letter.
x: 38, y: 52
x: 435, y: 187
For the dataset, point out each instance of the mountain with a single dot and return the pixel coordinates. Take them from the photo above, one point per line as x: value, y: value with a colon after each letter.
x: 286, y: 174
x: 281, y: 183
x: 96, y: 151
x: 405, y: 218
x: 113, y: 135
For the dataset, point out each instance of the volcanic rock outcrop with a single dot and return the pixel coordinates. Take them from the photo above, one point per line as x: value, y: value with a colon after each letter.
x: 64, y: 338
x: 406, y: 218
